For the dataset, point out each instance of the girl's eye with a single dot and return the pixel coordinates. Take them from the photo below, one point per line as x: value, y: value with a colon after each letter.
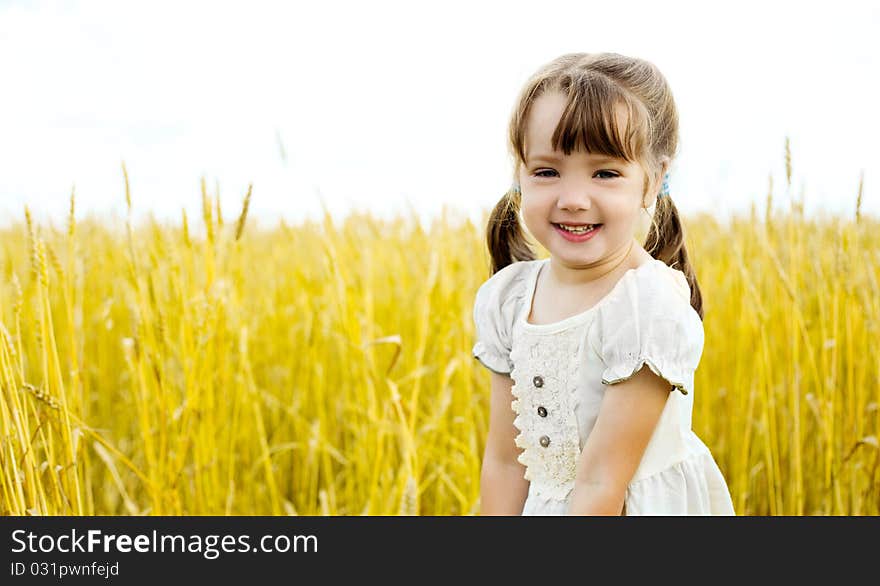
x: 610, y: 173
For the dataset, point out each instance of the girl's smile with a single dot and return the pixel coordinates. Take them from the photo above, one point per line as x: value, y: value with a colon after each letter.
x: 581, y: 235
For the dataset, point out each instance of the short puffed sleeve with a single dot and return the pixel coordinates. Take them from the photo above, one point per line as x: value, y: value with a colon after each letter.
x: 496, y: 305
x: 649, y: 320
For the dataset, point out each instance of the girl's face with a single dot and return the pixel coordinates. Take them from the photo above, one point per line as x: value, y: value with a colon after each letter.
x: 577, y: 189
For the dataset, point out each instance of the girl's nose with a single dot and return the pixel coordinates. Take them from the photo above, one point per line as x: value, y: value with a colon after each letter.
x: 574, y: 198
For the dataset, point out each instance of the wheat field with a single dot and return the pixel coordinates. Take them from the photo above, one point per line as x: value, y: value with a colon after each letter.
x: 206, y: 367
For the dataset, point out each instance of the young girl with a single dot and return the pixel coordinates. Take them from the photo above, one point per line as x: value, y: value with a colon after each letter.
x: 592, y: 350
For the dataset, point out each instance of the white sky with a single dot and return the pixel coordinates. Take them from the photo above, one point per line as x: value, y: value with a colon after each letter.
x: 380, y: 103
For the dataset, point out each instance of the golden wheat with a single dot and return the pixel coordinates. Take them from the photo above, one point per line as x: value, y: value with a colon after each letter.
x: 325, y: 368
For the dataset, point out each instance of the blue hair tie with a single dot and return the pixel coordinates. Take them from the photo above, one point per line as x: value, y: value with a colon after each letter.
x: 665, y: 190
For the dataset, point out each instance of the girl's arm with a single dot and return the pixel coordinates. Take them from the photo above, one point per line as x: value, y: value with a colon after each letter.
x: 503, y: 487
x: 627, y: 417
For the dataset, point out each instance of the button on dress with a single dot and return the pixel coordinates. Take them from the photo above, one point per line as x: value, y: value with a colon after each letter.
x: 560, y: 372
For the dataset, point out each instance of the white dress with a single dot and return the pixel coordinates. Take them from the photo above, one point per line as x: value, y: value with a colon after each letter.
x: 560, y: 372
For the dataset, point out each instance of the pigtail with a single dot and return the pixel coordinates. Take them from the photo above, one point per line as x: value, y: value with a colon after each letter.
x: 665, y: 242
x: 504, y: 234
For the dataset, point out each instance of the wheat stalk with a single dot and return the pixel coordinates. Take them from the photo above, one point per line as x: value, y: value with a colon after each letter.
x: 41, y: 395
x: 127, y: 188
x: 859, y: 197
x: 239, y: 228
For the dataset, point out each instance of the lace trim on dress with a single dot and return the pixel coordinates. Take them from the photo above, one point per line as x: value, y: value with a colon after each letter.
x: 545, y: 397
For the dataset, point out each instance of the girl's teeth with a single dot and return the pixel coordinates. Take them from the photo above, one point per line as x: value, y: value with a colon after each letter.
x: 579, y: 230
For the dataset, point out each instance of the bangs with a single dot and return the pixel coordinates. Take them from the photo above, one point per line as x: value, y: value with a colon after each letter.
x: 598, y: 118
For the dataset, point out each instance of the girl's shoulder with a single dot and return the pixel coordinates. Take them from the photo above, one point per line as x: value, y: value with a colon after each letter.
x: 498, y: 302
x: 652, y: 292
x: 650, y: 319
x: 510, y: 282
x: 500, y: 297
x: 660, y: 281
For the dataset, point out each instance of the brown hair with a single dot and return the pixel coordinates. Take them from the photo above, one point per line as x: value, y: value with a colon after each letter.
x: 595, y: 84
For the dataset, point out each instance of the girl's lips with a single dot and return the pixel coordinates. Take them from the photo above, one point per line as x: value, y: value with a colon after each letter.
x: 571, y: 237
